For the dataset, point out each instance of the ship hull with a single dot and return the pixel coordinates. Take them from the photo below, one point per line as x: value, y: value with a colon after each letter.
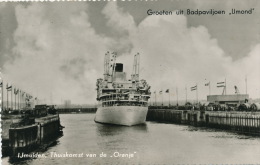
x: 121, y: 115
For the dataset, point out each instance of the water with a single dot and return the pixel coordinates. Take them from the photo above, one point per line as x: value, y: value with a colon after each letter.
x: 152, y: 143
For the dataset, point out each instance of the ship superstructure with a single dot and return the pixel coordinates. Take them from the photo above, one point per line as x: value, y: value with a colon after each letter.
x: 121, y: 101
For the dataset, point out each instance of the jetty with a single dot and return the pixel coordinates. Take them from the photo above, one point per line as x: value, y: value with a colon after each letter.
x: 234, y: 121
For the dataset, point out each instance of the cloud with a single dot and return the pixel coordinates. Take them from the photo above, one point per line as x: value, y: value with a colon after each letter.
x: 2, y: 5
x: 122, y: 25
x: 247, y: 68
x: 60, y: 54
x: 175, y: 55
x: 178, y: 55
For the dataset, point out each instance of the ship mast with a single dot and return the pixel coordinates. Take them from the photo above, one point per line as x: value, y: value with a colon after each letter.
x: 109, y: 66
x: 113, y: 65
x: 135, y: 73
x: 106, y: 66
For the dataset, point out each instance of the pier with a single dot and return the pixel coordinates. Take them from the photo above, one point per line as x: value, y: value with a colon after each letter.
x: 239, y: 122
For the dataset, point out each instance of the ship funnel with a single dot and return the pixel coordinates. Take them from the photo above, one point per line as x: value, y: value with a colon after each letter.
x: 119, y: 67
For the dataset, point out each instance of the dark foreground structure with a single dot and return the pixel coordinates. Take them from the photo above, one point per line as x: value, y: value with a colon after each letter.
x: 28, y: 130
x: 240, y: 122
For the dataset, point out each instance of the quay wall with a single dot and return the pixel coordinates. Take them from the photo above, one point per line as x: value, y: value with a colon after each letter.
x: 48, y: 127
x: 22, y: 138
x: 241, y: 122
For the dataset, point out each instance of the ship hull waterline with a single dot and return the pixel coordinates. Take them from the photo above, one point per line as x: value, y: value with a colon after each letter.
x: 121, y: 115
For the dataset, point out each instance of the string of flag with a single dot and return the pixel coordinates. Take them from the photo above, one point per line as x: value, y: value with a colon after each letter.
x: 219, y: 84
x: 19, y: 96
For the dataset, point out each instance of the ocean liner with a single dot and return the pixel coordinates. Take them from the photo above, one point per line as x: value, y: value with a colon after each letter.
x: 121, y: 101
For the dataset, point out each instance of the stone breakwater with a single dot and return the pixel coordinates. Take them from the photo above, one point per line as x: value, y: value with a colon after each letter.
x: 240, y: 122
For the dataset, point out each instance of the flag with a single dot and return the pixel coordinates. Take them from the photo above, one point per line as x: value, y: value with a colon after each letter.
x: 236, y: 89
x: 8, y: 88
x: 167, y: 91
x: 193, y: 88
x: 16, y: 91
x: 207, y: 84
x: 221, y: 84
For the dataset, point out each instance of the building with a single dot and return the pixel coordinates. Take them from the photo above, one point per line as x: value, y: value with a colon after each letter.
x: 67, y: 104
x: 228, y: 99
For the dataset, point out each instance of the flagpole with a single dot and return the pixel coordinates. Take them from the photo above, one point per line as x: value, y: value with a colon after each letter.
x: 18, y: 99
x: 155, y: 100
x: 2, y: 90
x: 12, y: 98
x: 246, y: 84
x: 162, y: 98
x: 21, y: 100
x: 225, y: 87
x: 209, y: 87
x: 177, y: 96
x: 186, y: 93
x: 7, y: 94
x: 169, y: 99
x: 197, y: 92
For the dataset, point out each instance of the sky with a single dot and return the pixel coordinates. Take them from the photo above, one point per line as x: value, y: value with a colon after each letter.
x: 55, y: 50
